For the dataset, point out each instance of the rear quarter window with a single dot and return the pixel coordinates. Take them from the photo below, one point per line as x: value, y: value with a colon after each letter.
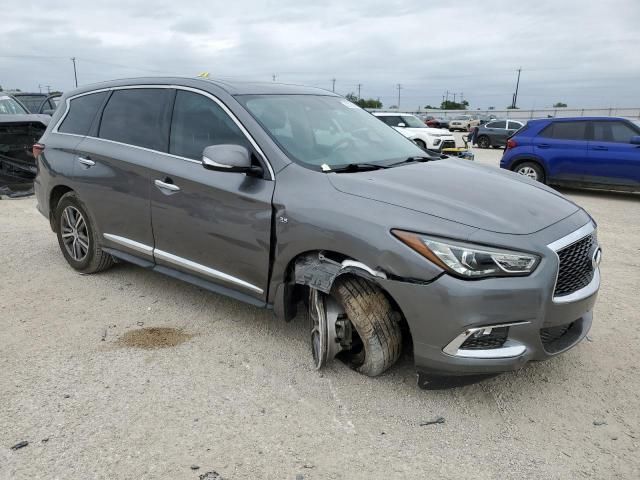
x: 82, y: 111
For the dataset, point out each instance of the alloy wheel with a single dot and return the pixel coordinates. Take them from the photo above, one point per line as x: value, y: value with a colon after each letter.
x: 75, y: 234
x: 528, y: 172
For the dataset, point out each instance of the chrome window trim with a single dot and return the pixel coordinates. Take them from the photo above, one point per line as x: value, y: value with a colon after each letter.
x: 196, y: 267
x: 180, y: 261
x: 567, y: 241
x: 508, y: 350
x: 132, y: 244
x: 208, y: 95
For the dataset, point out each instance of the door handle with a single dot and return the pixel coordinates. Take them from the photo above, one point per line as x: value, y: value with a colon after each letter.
x: 543, y: 145
x: 87, y: 162
x: 599, y: 147
x: 167, y: 184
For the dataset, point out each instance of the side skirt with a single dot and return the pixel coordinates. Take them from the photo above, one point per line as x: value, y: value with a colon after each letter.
x: 186, y: 277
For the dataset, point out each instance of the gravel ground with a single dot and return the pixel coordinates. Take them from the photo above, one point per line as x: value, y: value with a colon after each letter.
x: 130, y: 374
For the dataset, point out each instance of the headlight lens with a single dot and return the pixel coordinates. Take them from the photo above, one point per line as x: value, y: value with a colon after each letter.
x: 467, y: 260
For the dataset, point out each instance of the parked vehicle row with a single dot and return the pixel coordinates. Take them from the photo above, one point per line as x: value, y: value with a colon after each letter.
x: 595, y: 152
x: 413, y: 128
x: 272, y: 193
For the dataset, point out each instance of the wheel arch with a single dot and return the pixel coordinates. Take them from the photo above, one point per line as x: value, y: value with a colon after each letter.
x: 329, y: 265
x: 54, y: 198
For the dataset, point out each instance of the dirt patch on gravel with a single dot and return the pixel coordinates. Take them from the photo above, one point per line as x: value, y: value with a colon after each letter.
x: 150, y: 338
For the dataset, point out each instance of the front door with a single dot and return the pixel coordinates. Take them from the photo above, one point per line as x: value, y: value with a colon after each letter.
x: 214, y: 225
x: 613, y: 158
x: 563, y: 144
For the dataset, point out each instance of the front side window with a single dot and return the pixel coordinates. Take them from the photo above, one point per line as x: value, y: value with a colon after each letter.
x: 566, y: 131
x: 314, y: 130
x: 413, y: 122
x: 618, y: 132
x: 138, y: 116
x: 82, y: 111
x: 199, y: 122
x: 8, y: 106
x: 392, y: 121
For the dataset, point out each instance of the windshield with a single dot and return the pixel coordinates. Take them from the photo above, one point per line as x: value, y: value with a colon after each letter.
x: 413, y: 122
x: 8, y: 106
x: 317, y: 130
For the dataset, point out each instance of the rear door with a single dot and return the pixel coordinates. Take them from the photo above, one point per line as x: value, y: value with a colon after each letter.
x: 614, y: 160
x: 214, y: 225
x: 563, y: 146
x: 113, y: 167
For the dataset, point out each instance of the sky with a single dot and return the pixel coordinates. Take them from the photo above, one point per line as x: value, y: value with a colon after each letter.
x: 583, y: 53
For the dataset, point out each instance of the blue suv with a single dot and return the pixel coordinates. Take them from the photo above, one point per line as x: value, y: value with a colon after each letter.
x: 595, y: 152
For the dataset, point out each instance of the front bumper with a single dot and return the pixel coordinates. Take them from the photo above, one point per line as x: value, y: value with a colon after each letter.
x: 443, y: 314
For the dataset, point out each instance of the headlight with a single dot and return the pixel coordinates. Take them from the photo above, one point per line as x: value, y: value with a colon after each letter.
x: 467, y: 260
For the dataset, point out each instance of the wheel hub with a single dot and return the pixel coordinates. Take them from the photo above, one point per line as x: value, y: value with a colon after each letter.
x: 330, y: 328
x: 74, y: 232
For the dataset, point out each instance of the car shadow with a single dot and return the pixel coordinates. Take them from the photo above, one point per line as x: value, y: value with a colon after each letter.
x: 597, y: 193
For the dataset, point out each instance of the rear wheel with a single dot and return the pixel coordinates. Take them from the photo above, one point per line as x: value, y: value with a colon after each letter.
x: 77, y: 236
x: 377, y: 340
x: 531, y: 170
x: 483, y: 141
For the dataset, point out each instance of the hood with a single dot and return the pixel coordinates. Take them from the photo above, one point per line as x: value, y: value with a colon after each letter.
x: 460, y: 191
x: 26, y: 118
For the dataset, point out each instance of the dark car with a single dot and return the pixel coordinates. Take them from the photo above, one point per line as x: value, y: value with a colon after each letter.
x: 38, y: 102
x: 19, y: 130
x: 595, y: 152
x: 275, y: 193
x: 496, y: 133
x: 438, y: 122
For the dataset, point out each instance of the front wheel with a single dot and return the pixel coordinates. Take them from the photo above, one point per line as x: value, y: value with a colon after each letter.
x: 483, y: 141
x: 77, y: 236
x: 377, y: 340
x: 531, y: 170
x: 420, y: 143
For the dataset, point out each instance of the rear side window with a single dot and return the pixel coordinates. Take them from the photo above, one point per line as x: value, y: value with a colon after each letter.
x: 82, y: 111
x: 500, y: 124
x: 566, y: 131
x: 138, y: 116
x: 199, y: 122
x: 515, y: 125
x: 614, y: 131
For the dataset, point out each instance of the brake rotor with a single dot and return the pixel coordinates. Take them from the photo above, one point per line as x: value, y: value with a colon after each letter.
x: 327, y: 318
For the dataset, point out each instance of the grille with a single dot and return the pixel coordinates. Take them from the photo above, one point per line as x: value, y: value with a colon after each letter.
x: 555, y: 339
x: 576, y: 269
x: 448, y: 144
x: 495, y: 339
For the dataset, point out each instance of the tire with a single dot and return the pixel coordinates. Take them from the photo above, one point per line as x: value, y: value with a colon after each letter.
x: 79, y: 245
x: 375, y: 322
x: 532, y: 170
x: 483, y: 141
x: 420, y: 143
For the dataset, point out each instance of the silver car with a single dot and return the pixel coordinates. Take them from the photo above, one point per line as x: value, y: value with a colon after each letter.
x: 281, y: 195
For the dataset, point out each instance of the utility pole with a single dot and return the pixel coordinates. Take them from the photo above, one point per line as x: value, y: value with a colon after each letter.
x: 359, y: 86
x: 447, y: 96
x: 454, y: 98
x: 333, y: 88
x: 48, y: 89
x: 75, y: 72
x: 461, y: 97
x: 399, y: 88
x: 273, y: 77
x: 40, y: 88
x: 515, y: 95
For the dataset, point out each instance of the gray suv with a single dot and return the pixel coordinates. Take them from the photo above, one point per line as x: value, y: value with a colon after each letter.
x: 282, y: 196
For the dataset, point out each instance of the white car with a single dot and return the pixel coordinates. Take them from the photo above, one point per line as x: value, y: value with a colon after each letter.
x: 412, y: 127
x: 463, y: 123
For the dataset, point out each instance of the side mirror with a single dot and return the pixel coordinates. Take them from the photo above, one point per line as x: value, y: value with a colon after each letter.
x: 401, y: 124
x: 635, y: 140
x: 228, y: 158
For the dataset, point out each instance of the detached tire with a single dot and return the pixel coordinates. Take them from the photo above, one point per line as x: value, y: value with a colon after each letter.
x: 374, y: 320
x: 77, y: 236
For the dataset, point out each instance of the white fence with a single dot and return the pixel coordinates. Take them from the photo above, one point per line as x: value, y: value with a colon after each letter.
x: 543, y: 113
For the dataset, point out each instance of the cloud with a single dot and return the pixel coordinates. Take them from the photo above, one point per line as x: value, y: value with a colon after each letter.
x: 582, y: 53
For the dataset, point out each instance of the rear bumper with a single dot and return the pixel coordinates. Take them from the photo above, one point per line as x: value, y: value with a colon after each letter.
x: 442, y: 312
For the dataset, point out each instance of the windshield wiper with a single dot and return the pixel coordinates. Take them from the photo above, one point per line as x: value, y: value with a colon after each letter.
x: 411, y: 160
x: 353, y: 167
